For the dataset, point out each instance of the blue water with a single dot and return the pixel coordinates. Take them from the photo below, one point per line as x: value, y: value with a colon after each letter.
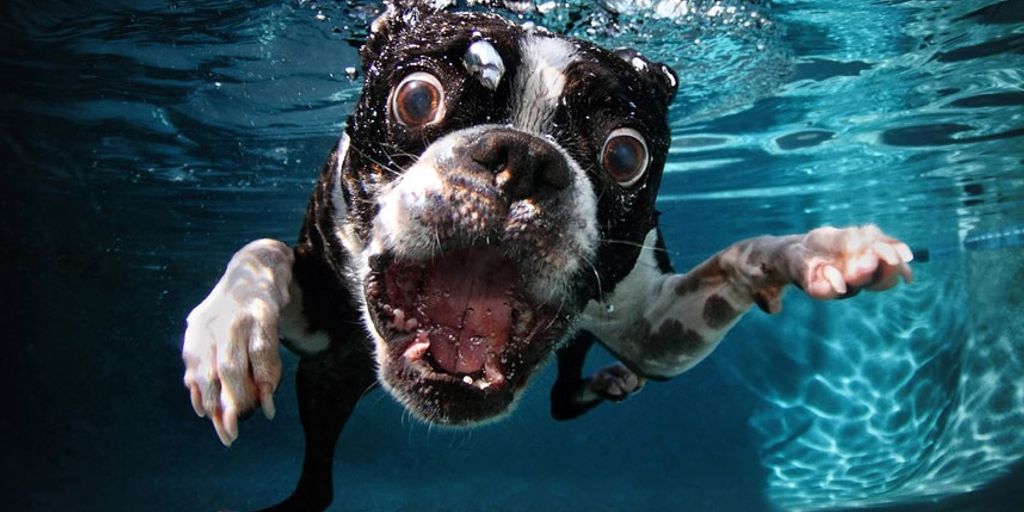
x: 143, y: 142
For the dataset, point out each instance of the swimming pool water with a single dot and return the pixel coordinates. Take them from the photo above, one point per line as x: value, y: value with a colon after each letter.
x: 144, y: 142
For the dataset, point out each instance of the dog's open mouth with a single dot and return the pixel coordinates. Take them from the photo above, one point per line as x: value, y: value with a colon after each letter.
x: 463, y: 318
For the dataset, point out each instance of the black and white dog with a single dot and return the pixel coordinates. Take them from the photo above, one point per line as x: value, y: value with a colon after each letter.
x: 491, y: 203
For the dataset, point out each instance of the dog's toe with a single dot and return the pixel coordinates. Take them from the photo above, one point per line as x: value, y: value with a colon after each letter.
x: 615, y: 383
x: 840, y: 262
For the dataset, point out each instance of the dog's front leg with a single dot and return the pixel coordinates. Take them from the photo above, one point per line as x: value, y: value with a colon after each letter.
x: 329, y: 385
x: 662, y: 324
x: 231, y: 354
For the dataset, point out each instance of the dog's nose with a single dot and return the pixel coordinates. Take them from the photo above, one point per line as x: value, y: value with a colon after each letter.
x: 523, y: 165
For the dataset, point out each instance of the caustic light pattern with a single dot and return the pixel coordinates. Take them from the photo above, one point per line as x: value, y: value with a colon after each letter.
x: 920, y: 401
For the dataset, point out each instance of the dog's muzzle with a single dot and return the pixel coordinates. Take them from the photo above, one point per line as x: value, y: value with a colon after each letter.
x: 474, y: 269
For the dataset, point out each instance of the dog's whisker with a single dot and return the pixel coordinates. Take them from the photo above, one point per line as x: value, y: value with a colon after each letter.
x: 558, y: 312
x: 635, y: 244
x: 437, y: 239
x: 362, y: 201
x: 383, y: 166
x: 597, y: 277
x: 393, y: 151
x: 409, y: 433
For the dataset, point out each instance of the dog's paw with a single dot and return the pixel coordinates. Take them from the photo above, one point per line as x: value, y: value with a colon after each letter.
x: 614, y: 383
x: 231, y: 355
x: 837, y: 263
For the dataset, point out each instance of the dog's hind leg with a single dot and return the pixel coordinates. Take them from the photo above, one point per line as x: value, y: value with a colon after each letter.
x: 572, y: 395
x: 329, y: 385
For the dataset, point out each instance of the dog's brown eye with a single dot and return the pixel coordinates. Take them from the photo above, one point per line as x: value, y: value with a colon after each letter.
x: 624, y: 156
x: 418, y: 100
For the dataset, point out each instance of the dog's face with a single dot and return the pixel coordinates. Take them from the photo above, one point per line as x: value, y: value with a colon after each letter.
x: 493, y: 180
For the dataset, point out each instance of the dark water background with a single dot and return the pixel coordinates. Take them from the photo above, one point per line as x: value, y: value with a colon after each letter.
x: 143, y: 142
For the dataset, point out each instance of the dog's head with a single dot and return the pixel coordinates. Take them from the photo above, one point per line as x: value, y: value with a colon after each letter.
x: 493, y: 179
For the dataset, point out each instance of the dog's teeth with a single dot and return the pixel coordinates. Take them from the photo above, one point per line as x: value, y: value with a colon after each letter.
x: 467, y: 379
x: 482, y: 384
x: 523, y: 324
x: 491, y: 370
x: 416, y: 351
x: 398, y: 319
x: 520, y: 328
x: 526, y: 316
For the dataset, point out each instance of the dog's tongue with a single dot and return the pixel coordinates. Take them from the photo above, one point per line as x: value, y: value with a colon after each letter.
x: 467, y: 302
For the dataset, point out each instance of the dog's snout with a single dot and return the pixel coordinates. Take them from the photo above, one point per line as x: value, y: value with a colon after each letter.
x: 523, y: 165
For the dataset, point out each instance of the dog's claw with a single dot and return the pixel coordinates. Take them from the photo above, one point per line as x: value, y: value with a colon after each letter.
x: 905, y: 253
x: 267, y: 400
x: 222, y: 433
x: 197, y: 400
x: 230, y: 425
x: 835, y: 279
x: 887, y: 253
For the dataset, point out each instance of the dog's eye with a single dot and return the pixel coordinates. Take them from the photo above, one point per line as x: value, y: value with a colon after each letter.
x: 418, y: 100
x: 624, y: 156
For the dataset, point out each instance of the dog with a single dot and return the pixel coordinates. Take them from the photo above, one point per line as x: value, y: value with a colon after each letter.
x: 490, y: 203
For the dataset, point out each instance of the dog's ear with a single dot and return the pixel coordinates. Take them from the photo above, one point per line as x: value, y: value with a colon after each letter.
x: 664, y: 80
x: 398, y: 15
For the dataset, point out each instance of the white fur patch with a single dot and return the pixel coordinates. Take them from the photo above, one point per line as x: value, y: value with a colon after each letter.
x: 614, y: 319
x: 539, y: 84
x: 585, y: 233
x: 293, y: 325
x: 644, y: 301
x: 615, y: 312
x: 344, y: 229
x: 394, y: 227
x: 337, y: 198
